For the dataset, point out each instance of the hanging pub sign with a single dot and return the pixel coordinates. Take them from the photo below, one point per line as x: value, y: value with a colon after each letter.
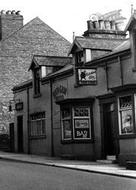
x: 86, y: 76
x: 59, y: 92
x: 19, y: 106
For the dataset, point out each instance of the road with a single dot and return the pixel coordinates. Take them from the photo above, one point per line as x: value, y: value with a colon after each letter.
x: 23, y: 176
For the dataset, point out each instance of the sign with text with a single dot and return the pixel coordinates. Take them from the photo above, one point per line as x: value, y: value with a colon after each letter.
x: 82, y: 129
x: 87, y: 76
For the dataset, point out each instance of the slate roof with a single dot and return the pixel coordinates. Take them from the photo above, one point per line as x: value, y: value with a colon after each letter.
x: 96, y: 43
x: 50, y: 60
x: 16, y: 52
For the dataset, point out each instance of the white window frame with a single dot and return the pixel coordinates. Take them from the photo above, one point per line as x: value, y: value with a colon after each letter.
x: 34, y: 121
x: 72, y: 119
x: 81, y: 118
x: 120, y: 110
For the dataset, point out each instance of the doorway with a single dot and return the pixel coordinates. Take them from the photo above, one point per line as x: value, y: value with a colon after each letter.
x: 110, y: 143
x: 20, y: 133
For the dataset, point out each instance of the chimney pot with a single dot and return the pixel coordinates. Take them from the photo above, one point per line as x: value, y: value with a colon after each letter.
x: 13, y: 12
x: 18, y: 13
x: 8, y: 12
x: 2, y: 12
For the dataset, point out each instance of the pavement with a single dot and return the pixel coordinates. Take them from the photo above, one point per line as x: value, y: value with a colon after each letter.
x: 85, y: 166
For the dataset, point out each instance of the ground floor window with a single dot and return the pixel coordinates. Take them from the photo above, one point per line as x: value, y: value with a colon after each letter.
x: 126, y: 114
x: 37, y: 124
x: 76, y: 122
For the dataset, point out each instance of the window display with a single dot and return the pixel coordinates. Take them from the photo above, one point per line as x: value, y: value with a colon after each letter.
x: 126, y: 115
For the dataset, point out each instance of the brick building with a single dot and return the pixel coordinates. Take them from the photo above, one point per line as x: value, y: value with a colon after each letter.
x: 18, y: 44
x: 85, y: 107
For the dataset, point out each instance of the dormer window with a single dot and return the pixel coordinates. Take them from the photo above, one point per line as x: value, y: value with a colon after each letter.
x: 80, y: 58
x: 45, y: 70
x: 88, y: 55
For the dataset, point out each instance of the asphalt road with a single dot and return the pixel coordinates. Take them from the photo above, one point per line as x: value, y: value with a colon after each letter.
x: 20, y: 176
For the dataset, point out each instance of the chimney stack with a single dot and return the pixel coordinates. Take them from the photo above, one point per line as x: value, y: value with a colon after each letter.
x: 10, y: 21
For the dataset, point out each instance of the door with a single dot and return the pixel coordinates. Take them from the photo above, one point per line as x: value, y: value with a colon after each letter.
x: 110, y: 131
x: 11, y: 132
x: 20, y: 133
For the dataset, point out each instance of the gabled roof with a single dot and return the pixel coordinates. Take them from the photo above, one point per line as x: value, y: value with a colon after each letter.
x: 131, y: 23
x: 40, y: 60
x: 95, y: 43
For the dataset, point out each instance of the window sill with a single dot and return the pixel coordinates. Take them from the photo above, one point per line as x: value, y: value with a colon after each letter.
x: 127, y: 136
x: 37, y: 95
x: 74, y: 141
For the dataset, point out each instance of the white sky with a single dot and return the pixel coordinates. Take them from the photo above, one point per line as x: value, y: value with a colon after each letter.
x: 66, y: 16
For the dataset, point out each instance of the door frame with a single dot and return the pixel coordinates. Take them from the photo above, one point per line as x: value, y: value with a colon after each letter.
x: 20, y: 142
x: 108, y: 99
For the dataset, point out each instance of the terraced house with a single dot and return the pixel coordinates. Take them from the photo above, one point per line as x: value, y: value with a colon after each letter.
x: 82, y: 107
x: 18, y: 44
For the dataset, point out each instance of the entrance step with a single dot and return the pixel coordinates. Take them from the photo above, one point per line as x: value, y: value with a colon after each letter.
x: 131, y: 165
x: 108, y: 160
x: 112, y: 158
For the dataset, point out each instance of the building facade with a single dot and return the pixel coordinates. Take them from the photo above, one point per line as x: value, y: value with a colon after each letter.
x: 18, y: 44
x: 82, y: 107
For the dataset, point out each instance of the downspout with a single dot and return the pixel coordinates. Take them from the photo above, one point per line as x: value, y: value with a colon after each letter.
x: 121, y: 71
x: 28, y: 106
x: 107, y: 81
x: 51, y: 108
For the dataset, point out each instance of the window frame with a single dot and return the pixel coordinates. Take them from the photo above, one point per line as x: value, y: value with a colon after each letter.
x: 36, y: 79
x: 89, y: 118
x: 133, y: 108
x: 35, y: 120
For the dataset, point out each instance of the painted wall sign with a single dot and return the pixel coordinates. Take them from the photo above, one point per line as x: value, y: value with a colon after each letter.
x: 87, y: 76
x: 19, y: 106
x: 60, y: 92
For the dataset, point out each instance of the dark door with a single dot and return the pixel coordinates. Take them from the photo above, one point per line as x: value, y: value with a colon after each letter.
x: 11, y: 132
x: 20, y: 133
x: 110, y: 131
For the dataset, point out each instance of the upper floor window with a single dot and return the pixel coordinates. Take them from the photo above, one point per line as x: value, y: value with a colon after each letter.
x: 80, y: 58
x: 45, y: 70
x: 88, y: 55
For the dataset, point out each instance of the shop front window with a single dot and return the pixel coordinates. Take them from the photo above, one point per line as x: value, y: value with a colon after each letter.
x: 76, y: 123
x: 126, y: 113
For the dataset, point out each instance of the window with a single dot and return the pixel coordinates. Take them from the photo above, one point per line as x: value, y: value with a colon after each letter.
x: 81, y: 123
x: 76, y: 123
x: 125, y: 105
x: 80, y: 58
x: 45, y: 70
x: 37, y: 124
x: 88, y: 55
x: 36, y: 81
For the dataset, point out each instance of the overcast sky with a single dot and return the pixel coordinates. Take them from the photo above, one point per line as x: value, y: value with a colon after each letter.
x: 66, y: 16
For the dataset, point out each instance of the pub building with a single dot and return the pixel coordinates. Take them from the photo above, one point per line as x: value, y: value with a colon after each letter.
x: 82, y: 106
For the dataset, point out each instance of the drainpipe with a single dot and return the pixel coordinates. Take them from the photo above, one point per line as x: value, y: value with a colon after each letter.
x: 28, y: 120
x: 51, y: 108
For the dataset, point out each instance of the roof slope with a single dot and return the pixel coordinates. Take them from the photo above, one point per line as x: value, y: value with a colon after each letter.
x: 96, y: 43
x: 17, y: 50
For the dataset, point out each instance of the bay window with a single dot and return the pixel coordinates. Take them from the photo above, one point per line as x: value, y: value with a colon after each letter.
x: 76, y: 122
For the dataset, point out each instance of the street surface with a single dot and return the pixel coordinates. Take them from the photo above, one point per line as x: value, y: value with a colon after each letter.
x: 23, y: 176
